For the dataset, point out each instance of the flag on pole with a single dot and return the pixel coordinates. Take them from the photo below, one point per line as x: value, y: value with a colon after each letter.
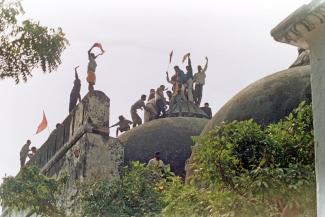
x: 185, y: 56
x: 170, y: 56
x: 99, y: 45
x: 42, y: 125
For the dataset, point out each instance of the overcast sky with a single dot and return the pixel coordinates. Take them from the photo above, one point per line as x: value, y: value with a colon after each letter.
x: 138, y: 36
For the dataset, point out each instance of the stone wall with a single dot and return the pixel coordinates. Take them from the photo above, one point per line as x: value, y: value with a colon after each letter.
x: 82, y: 148
x: 93, y: 110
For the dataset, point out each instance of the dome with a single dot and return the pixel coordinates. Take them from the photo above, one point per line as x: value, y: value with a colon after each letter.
x: 267, y: 100
x: 171, y: 136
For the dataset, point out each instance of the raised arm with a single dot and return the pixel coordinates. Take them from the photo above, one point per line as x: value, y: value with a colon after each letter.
x: 206, y: 64
x: 167, y: 78
x: 76, y: 72
x: 189, y: 62
x: 89, y: 51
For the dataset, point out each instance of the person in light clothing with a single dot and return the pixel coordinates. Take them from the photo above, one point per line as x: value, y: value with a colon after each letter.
x: 199, y: 80
x: 138, y: 105
x: 156, y: 161
x: 92, y: 65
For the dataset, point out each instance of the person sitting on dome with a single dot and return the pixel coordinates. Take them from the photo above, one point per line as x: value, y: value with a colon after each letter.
x: 199, y: 80
x: 92, y: 65
x: 207, y: 110
x: 138, y: 105
x: 156, y: 162
x: 123, y: 125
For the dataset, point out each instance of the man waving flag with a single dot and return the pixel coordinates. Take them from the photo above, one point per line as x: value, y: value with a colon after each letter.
x: 42, y: 125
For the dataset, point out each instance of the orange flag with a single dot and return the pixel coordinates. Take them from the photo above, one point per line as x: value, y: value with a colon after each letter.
x: 42, y: 125
x: 99, y: 45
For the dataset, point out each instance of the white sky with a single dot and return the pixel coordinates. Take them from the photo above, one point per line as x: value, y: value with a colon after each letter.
x: 138, y: 36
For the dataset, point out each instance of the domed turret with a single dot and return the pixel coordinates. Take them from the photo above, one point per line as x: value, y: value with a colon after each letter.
x: 170, y: 136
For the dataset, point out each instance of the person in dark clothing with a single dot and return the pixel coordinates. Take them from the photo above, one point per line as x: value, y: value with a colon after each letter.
x: 75, y: 92
x: 207, y: 110
x: 189, y: 79
x: 160, y: 102
x: 24, y: 153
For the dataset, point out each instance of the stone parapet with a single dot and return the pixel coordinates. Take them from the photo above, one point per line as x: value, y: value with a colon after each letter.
x: 293, y: 29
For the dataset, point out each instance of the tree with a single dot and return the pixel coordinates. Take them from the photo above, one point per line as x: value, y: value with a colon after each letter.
x: 26, y: 45
x: 33, y: 192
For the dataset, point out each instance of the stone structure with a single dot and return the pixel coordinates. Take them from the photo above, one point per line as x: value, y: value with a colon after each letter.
x: 170, y: 136
x: 268, y: 99
x: 81, y: 148
x: 186, y: 109
x: 305, y: 28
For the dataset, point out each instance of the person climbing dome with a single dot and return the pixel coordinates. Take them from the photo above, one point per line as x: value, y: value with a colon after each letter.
x: 138, y: 105
x: 207, y: 110
x: 156, y: 161
x: 151, y: 112
x: 151, y: 94
x: 75, y: 92
x: 24, y: 153
x: 123, y: 125
x: 92, y: 65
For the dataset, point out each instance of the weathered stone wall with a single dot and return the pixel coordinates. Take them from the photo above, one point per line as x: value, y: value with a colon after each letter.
x: 94, y: 109
x: 92, y: 158
x: 75, y: 149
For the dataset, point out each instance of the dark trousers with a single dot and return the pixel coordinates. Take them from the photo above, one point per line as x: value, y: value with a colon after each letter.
x: 161, y: 108
x: 198, y: 94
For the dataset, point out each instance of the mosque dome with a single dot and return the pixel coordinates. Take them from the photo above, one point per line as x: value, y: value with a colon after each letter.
x: 170, y: 136
x: 267, y: 100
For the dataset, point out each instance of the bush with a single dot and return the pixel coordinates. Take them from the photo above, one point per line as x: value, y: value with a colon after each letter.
x: 32, y: 191
x: 136, y: 193
x: 266, y: 169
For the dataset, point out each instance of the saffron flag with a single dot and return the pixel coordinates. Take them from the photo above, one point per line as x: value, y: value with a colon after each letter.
x: 170, y: 56
x: 42, y: 125
x: 99, y: 45
x: 185, y: 56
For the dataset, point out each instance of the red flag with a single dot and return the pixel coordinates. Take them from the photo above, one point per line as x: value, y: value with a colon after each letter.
x: 99, y: 45
x: 42, y: 125
x: 185, y: 56
x: 170, y: 56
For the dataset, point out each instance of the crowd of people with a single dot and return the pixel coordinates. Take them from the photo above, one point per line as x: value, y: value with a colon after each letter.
x: 186, y: 87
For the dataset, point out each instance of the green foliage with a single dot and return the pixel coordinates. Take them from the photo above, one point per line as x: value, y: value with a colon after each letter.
x: 136, y: 193
x: 256, y: 169
x: 26, y: 45
x: 32, y: 191
x: 239, y: 169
